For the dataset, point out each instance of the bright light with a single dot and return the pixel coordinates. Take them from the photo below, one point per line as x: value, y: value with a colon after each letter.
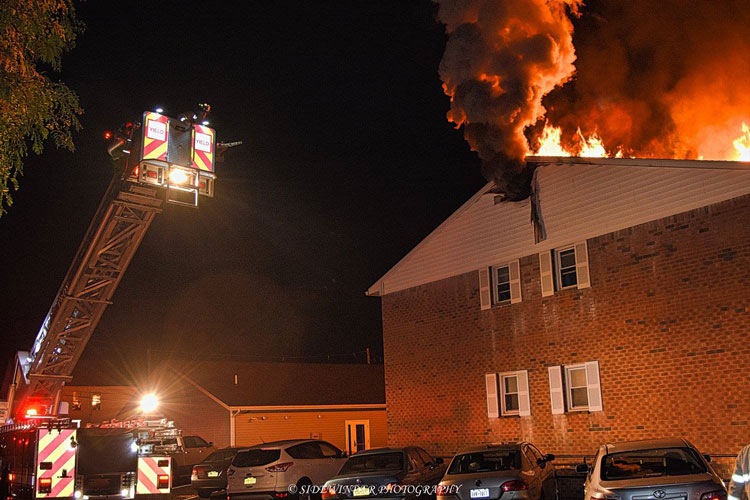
x: 177, y: 176
x: 204, y: 123
x: 159, y: 110
x: 77, y: 494
x: 31, y: 412
x: 149, y: 402
x: 124, y: 492
x: 134, y: 447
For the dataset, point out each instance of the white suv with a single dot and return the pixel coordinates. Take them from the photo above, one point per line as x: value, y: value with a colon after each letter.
x: 266, y: 471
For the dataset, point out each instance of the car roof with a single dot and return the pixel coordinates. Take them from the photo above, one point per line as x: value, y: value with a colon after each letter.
x: 646, y: 444
x: 375, y: 451
x: 493, y: 446
x: 279, y: 444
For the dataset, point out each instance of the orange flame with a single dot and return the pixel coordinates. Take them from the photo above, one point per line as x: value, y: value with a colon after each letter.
x: 550, y: 144
x: 742, y: 144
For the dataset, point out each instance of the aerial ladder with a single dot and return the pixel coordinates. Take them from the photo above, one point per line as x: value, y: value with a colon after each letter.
x: 161, y: 158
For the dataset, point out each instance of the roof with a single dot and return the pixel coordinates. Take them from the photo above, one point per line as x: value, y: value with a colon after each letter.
x: 257, y: 383
x: 646, y: 444
x: 240, y: 384
x: 490, y: 446
x: 579, y: 198
x: 276, y: 444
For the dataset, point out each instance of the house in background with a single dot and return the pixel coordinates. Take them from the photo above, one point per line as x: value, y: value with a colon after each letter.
x: 613, y: 304
x: 237, y: 403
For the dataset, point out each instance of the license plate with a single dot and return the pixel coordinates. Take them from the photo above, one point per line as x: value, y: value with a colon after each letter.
x: 213, y: 473
x: 480, y: 493
x: 361, y: 491
x: 250, y: 480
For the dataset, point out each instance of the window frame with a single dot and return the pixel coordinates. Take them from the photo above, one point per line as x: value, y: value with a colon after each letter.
x: 569, y: 388
x: 558, y: 266
x: 495, y: 283
x: 503, y: 411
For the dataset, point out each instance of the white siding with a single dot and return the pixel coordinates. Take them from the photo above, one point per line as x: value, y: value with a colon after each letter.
x: 580, y: 199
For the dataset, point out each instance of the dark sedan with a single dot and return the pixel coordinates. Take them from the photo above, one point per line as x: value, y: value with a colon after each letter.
x: 210, y: 476
x: 386, y: 473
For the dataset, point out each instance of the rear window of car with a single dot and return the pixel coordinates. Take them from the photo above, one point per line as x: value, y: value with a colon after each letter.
x: 651, y: 463
x: 254, y: 458
x: 220, y: 455
x: 373, y: 462
x: 486, y: 461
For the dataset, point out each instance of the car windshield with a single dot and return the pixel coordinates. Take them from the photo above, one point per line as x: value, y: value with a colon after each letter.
x: 256, y: 457
x: 373, y: 462
x: 220, y: 455
x: 486, y: 461
x: 651, y: 463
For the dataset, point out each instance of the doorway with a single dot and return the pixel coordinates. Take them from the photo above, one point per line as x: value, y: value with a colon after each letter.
x: 357, y: 436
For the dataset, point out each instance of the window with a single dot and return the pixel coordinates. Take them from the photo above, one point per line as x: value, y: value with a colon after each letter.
x: 194, y: 442
x: 565, y: 266
x: 501, y: 281
x: 500, y: 284
x: 329, y: 450
x: 513, y: 392
x: 510, y: 394
x: 76, y: 404
x: 307, y: 450
x: 575, y: 378
x: 96, y: 401
x: 575, y: 387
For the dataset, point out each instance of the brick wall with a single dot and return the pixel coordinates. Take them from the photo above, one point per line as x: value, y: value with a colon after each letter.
x: 667, y: 317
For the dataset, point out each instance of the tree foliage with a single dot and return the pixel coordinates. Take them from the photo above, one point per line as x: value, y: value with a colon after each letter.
x: 34, y: 34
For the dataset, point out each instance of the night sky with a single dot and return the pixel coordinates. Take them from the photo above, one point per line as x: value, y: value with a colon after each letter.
x: 347, y: 163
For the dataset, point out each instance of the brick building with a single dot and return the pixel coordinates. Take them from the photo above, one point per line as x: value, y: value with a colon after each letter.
x: 618, y: 308
x: 241, y: 403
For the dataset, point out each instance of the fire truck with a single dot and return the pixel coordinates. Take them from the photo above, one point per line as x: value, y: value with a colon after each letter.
x: 43, y: 454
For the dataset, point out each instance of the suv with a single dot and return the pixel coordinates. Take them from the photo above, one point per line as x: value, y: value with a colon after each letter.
x: 268, y: 470
x: 668, y: 469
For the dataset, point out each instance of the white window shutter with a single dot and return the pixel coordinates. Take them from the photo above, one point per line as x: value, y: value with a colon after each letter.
x: 490, y: 381
x: 524, y: 404
x: 545, y: 268
x: 594, y: 386
x: 556, y: 390
x: 515, y: 281
x: 485, y: 294
x: 582, y: 265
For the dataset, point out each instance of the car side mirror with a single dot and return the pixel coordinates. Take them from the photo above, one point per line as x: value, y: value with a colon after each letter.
x: 541, y: 463
x: 707, y: 457
x: 210, y: 444
x: 549, y: 457
x: 439, y: 461
x: 582, y: 468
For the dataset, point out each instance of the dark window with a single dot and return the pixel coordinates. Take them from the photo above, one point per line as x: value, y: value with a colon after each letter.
x: 502, y: 284
x: 486, y: 461
x: 510, y: 394
x: 651, y: 463
x: 373, y: 462
x: 566, y: 268
x: 426, y: 458
x: 254, y: 458
x: 329, y: 450
x: 221, y: 455
x: 305, y: 451
x: 194, y: 442
x: 536, y: 454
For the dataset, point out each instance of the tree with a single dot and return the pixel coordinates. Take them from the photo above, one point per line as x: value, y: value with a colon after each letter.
x: 34, y: 34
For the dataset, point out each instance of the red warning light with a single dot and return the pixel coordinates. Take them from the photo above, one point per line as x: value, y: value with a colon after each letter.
x: 31, y: 412
x: 107, y: 135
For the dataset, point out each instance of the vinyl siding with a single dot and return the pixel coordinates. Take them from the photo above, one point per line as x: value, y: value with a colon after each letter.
x: 578, y: 201
x: 264, y: 426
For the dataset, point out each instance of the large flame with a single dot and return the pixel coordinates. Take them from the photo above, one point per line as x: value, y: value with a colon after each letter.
x: 742, y: 145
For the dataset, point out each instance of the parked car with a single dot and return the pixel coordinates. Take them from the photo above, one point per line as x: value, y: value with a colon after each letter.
x: 666, y: 469
x: 268, y: 470
x: 385, y: 472
x: 210, y: 476
x: 508, y: 471
x: 194, y: 450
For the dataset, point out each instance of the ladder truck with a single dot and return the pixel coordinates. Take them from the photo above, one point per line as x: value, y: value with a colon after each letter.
x: 43, y: 454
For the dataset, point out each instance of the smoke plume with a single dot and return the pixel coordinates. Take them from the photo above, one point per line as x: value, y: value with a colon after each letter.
x: 659, y: 78
x: 500, y: 60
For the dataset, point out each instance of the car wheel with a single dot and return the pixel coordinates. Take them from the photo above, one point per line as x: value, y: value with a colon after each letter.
x: 304, y: 487
x: 204, y: 493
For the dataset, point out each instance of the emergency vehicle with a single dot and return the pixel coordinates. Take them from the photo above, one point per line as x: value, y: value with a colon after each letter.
x: 43, y: 454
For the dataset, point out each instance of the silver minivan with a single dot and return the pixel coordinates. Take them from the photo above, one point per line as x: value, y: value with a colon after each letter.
x: 655, y: 469
x: 282, y: 469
